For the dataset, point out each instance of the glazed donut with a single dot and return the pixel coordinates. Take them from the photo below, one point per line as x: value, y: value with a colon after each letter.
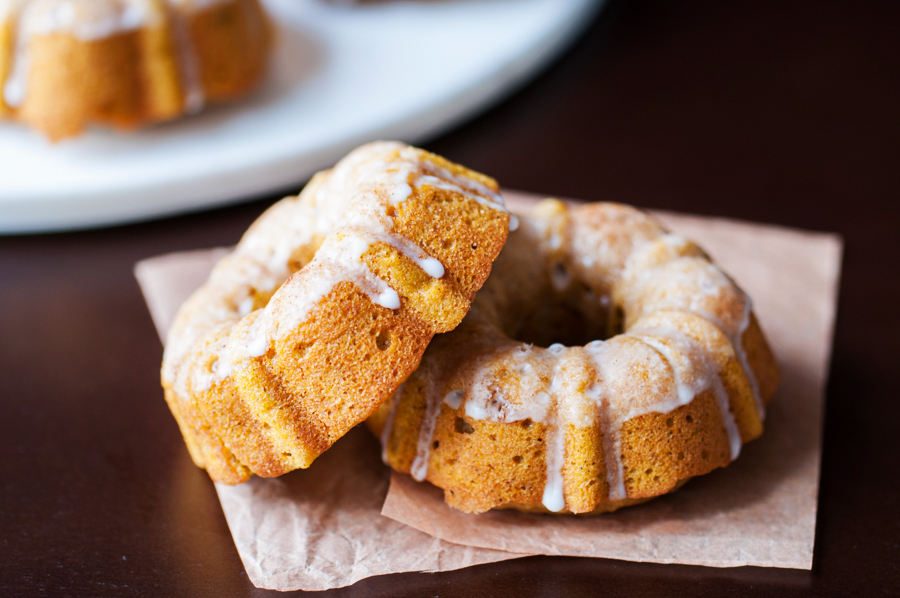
x: 513, y: 409
x: 69, y: 64
x: 326, y: 305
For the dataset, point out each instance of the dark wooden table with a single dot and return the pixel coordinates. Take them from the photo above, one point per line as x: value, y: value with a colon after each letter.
x: 777, y: 112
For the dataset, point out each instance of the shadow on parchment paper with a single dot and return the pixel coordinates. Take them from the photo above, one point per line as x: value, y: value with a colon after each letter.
x: 311, y: 489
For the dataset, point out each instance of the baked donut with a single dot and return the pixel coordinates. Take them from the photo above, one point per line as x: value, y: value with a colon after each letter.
x: 65, y: 64
x: 326, y: 306
x: 513, y: 409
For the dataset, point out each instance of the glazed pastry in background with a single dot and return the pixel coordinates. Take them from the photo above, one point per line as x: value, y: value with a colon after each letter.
x: 65, y: 64
x: 678, y: 386
x: 326, y: 305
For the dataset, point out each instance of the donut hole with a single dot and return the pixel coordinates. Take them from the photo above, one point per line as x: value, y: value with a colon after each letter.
x: 545, y: 288
x: 562, y: 309
x: 561, y: 324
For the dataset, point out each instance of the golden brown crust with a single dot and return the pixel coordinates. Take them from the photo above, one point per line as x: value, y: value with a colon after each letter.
x: 580, y: 273
x: 660, y: 449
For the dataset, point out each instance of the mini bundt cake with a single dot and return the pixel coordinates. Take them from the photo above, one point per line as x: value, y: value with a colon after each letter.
x: 326, y: 305
x: 67, y: 63
x: 680, y: 382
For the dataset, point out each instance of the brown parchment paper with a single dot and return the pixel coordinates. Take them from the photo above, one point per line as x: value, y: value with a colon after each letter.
x: 322, y: 528
x: 761, y: 510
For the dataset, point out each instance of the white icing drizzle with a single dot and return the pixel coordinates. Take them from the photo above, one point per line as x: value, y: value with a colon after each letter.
x: 731, y: 427
x: 467, y: 183
x: 433, y: 401
x: 346, y: 265
x: 14, y: 86
x: 454, y: 399
x: 738, y: 343
x: 612, y: 455
x: 200, y: 377
x: 258, y: 343
x: 700, y: 287
x: 9, y: 8
x: 553, y: 497
x: 87, y: 19
x: 245, y: 306
x: 189, y: 63
x: 419, y: 468
x: 612, y: 444
x: 389, y: 423
x: 555, y: 443
x: 694, y: 372
x: 690, y: 377
x: 430, y: 265
x: 543, y: 395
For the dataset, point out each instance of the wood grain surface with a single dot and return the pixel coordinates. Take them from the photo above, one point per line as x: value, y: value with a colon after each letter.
x: 777, y: 112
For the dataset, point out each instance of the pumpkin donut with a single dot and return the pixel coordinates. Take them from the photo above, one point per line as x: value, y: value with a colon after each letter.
x: 515, y: 409
x: 326, y: 305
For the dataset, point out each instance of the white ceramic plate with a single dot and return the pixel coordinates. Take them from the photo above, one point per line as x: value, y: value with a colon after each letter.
x: 342, y: 75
